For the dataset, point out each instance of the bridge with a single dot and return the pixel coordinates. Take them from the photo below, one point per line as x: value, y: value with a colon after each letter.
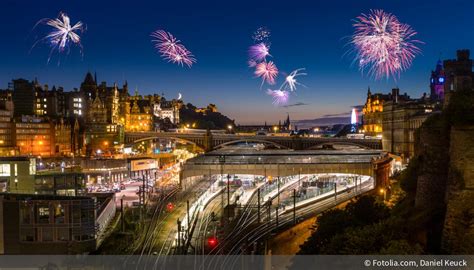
x: 211, y: 141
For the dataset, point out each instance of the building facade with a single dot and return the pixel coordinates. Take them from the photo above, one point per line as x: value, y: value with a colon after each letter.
x: 41, y: 224
x: 400, y: 120
x: 373, y: 109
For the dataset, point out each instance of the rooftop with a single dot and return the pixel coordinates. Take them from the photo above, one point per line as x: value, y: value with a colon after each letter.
x: 251, y: 156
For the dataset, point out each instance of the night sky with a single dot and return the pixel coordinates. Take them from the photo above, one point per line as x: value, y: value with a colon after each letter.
x: 310, y: 34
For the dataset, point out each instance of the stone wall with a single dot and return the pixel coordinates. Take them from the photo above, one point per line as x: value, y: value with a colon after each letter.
x: 432, y: 147
x: 458, y: 231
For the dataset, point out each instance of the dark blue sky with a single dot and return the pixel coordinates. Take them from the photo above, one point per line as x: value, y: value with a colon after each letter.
x: 306, y: 34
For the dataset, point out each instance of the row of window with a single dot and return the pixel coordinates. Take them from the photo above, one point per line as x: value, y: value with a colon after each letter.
x: 32, y: 126
x: 55, y: 213
x: 53, y: 235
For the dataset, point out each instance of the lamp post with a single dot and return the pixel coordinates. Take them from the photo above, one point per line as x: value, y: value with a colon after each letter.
x: 384, y: 193
x: 122, y: 220
x: 228, y: 189
x: 229, y: 127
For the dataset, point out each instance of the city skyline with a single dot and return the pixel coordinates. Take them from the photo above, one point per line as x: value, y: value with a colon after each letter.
x: 219, y: 36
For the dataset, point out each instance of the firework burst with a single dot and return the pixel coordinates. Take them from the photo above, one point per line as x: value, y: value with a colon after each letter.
x: 171, y: 48
x: 259, y: 52
x: 268, y: 71
x: 63, y: 34
x: 383, y: 46
x: 280, y: 97
x: 290, y: 80
x: 262, y: 34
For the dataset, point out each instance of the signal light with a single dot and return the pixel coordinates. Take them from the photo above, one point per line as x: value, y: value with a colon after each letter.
x: 170, y: 207
x: 212, y: 241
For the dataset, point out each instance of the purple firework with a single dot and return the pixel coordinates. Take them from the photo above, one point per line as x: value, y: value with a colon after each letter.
x: 171, y: 48
x: 279, y: 97
x: 259, y: 52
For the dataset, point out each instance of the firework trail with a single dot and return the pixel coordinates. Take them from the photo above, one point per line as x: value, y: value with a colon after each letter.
x: 171, y: 48
x: 267, y: 71
x: 252, y: 63
x: 280, y: 97
x: 383, y: 46
x: 290, y: 82
x: 262, y: 34
x: 259, y: 52
x: 63, y: 34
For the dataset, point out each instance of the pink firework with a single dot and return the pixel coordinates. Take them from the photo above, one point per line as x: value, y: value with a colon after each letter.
x: 383, y: 45
x: 280, y: 97
x: 267, y: 71
x: 171, y: 48
x: 259, y: 52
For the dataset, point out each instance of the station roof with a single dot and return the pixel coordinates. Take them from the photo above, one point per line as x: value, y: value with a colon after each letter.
x: 251, y: 156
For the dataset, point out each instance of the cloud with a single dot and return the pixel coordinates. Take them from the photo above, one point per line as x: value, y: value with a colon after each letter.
x: 344, y: 114
x: 296, y: 104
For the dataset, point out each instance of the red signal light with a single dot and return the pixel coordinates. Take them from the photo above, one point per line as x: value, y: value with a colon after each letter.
x: 170, y: 207
x: 212, y: 241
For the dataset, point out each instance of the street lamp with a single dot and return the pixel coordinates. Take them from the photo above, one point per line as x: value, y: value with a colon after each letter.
x: 275, y: 129
x: 384, y: 193
x: 229, y: 127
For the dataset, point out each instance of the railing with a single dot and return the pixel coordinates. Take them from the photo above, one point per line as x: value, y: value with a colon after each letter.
x: 106, y: 214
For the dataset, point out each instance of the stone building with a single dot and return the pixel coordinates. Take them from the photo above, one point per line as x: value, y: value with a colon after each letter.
x: 459, y: 74
x: 437, y: 81
x: 400, y: 120
x: 167, y: 109
x: 373, y: 110
x: 63, y: 138
x: 139, y: 117
x: 7, y: 134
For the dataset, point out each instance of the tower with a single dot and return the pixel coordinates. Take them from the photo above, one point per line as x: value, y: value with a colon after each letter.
x: 437, y: 81
x: 115, y: 112
x: 353, y: 121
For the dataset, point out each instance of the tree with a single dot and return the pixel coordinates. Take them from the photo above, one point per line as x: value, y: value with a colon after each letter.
x: 330, y: 224
x: 409, y: 177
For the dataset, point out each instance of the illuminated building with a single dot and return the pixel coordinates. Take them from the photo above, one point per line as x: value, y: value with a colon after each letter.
x: 437, y: 82
x: 373, y: 108
x: 17, y: 174
x: 96, y: 113
x: 210, y: 108
x: 7, y: 143
x: 34, y: 136
x: 38, y: 136
x: 167, y: 109
x: 63, y: 138
x: 353, y: 120
x: 140, y: 117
